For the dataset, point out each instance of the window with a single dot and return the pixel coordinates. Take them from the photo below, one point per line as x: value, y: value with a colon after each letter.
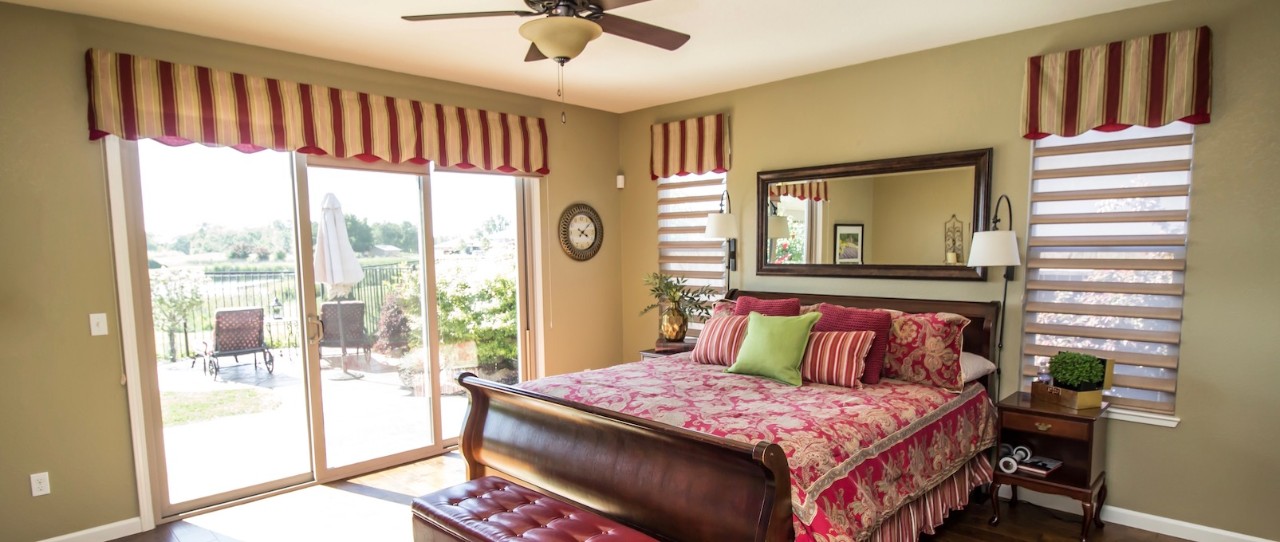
x: 1107, y: 255
x: 683, y: 250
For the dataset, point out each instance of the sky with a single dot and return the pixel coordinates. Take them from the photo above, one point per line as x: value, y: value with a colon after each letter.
x: 184, y: 187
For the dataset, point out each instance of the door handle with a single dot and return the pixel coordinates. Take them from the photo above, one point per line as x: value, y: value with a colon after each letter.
x: 314, y: 338
x: 1044, y: 426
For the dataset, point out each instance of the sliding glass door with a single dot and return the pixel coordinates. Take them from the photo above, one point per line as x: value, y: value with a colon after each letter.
x: 227, y: 363
x: 293, y: 327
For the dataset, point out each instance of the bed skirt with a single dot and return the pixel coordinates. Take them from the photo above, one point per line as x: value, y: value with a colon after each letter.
x: 931, y: 509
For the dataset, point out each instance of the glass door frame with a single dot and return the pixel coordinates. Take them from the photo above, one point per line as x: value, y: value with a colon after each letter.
x: 128, y: 237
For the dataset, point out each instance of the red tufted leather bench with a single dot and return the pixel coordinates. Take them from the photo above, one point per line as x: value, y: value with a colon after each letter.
x: 492, y: 509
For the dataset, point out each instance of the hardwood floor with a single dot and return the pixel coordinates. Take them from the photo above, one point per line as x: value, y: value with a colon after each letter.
x: 375, y: 507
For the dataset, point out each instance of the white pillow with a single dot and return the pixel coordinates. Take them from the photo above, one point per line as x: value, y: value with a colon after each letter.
x: 973, y: 366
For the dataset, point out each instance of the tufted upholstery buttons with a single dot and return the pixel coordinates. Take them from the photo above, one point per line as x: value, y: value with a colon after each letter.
x: 493, y: 509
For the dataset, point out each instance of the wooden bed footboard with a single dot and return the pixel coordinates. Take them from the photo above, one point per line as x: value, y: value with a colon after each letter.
x: 671, y: 483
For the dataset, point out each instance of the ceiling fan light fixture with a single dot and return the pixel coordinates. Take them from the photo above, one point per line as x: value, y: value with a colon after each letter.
x: 560, y: 38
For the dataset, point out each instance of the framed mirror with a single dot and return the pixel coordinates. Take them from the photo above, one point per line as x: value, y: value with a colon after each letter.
x: 900, y: 218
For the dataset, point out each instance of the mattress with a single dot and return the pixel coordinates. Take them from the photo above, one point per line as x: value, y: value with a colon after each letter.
x: 856, y: 456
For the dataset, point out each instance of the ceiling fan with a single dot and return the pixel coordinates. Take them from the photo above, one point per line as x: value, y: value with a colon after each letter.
x: 568, y: 25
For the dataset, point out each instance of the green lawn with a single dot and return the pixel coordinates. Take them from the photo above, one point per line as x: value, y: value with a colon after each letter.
x: 187, y: 407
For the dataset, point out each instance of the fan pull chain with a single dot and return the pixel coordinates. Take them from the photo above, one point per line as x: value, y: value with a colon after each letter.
x: 564, y: 119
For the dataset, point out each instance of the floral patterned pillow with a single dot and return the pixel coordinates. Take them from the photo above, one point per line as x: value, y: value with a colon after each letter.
x: 723, y: 307
x: 925, y: 348
x: 720, y: 340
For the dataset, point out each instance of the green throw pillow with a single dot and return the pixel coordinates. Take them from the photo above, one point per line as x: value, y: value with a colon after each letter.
x: 774, y: 346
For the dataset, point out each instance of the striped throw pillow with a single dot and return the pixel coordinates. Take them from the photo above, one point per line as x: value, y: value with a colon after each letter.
x: 836, y: 357
x: 720, y: 340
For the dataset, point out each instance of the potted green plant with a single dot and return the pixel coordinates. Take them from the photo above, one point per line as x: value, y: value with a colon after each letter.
x: 676, y: 302
x: 1078, y: 380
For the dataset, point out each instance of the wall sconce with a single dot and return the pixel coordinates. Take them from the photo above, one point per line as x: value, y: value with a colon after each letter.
x: 995, y: 248
x: 723, y: 225
x: 778, y: 227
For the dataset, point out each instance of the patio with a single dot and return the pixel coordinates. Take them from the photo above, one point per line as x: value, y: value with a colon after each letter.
x: 263, y: 435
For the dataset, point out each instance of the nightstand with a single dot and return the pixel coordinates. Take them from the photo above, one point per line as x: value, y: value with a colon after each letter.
x: 676, y: 349
x: 1075, y: 437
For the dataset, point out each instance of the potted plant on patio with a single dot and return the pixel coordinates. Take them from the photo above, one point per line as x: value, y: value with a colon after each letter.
x: 676, y: 302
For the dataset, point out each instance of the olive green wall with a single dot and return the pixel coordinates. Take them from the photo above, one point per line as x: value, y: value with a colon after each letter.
x: 64, y: 408
x: 1218, y: 467
x: 910, y: 211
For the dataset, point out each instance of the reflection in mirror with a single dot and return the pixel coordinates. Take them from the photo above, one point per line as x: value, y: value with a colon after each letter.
x: 905, y: 217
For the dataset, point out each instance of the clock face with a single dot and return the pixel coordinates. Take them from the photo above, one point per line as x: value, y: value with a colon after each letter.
x: 581, y: 231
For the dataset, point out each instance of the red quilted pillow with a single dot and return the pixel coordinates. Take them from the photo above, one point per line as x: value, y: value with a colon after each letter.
x: 720, y: 339
x: 925, y: 348
x: 836, y: 357
x: 837, y: 318
x: 768, y: 307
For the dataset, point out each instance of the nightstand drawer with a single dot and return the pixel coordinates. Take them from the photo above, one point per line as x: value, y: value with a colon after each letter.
x: 1050, y: 426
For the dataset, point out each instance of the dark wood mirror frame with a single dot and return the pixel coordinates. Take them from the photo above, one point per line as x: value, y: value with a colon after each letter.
x: 979, y: 159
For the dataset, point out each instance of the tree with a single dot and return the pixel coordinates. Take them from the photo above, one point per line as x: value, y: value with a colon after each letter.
x: 174, y: 294
x: 360, y: 234
x: 393, y: 327
x: 486, y: 315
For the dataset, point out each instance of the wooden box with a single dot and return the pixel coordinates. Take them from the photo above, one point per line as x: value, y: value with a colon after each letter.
x: 1077, y: 400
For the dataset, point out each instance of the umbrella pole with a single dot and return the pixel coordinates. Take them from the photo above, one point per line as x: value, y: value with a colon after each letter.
x: 342, y: 342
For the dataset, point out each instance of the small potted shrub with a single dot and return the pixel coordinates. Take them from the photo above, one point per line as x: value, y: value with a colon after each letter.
x: 676, y: 302
x: 1078, y: 380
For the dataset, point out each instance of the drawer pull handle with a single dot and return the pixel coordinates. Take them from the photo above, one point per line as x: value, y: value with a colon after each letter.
x: 1044, y: 426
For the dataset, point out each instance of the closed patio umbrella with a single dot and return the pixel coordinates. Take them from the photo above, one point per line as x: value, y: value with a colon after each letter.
x: 335, y: 262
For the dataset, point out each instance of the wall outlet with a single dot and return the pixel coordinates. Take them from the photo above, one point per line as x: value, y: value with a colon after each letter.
x: 98, y: 323
x: 40, y: 484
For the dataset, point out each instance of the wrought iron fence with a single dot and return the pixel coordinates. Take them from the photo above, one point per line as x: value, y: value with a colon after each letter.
x: 277, y: 293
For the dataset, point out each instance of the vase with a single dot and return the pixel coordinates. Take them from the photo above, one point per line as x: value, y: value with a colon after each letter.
x: 673, y: 325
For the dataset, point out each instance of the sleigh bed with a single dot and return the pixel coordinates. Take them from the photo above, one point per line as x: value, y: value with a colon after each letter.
x: 683, y: 451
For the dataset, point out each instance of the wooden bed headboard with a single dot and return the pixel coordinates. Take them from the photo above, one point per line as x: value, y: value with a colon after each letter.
x: 979, y: 335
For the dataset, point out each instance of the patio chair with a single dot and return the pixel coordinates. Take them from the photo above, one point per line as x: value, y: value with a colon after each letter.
x: 351, y: 334
x: 236, y: 332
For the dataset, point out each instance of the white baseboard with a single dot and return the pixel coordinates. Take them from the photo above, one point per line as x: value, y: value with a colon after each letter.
x: 102, y: 533
x: 1137, y: 520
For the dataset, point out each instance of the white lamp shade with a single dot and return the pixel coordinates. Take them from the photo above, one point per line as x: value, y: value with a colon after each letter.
x: 994, y: 248
x: 560, y: 37
x: 722, y: 226
x: 778, y: 227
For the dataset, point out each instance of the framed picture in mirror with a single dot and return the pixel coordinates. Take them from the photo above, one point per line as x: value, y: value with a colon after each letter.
x: 849, y: 244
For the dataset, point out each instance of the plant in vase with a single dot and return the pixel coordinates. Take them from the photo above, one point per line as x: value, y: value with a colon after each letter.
x: 676, y: 302
x: 1078, y: 372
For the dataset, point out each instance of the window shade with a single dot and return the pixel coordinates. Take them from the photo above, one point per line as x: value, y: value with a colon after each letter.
x: 683, y: 250
x: 1106, y: 256
x: 135, y: 97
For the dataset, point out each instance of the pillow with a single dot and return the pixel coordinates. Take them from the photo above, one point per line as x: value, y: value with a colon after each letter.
x: 723, y: 307
x: 768, y: 307
x: 774, y: 347
x: 720, y: 340
x: 836, y: 357
x: 925, y: 348
x: 806, y: 309
x: 837, y: 318
x: 973, y: 366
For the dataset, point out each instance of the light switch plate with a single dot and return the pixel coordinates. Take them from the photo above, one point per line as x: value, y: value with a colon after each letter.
x: 98, y: 323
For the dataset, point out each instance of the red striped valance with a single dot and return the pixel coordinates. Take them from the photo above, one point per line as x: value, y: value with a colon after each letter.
x: 690, y: 146
x: 815, y: 190
x: 1149, y: 81
x: 136, y: 98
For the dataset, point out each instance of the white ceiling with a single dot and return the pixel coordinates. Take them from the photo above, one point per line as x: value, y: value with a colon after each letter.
x: 735, y: 44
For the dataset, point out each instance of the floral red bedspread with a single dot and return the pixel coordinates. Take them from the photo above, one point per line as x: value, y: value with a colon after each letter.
x: 856, y: 456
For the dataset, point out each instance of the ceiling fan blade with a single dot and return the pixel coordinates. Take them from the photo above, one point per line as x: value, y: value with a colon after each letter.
x: 534, y: 54
x: 615, y: 4
x: 471, y: 15
x: 642, y: 32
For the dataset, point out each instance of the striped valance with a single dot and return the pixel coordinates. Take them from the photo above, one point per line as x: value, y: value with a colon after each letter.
x: 690, y: 146
x: 142, y: 98
x: 1149, y: 81
x: 815, y: 190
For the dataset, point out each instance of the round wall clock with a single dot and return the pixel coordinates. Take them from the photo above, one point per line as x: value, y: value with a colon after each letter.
x: 581, y: 231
